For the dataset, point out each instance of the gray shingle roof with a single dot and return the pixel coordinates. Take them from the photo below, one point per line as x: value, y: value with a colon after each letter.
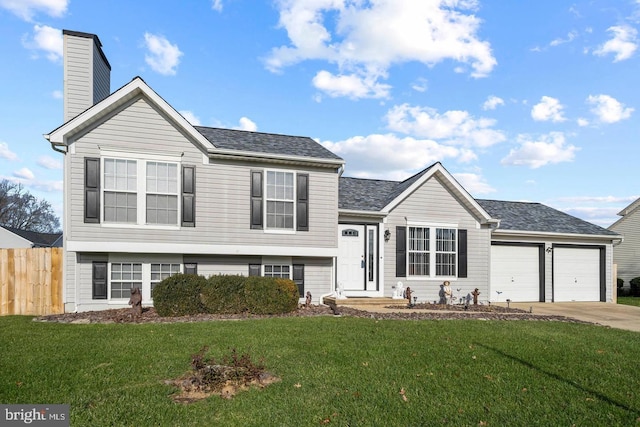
x: 268, y: 143
x: 44, y: 240
x: 523, y: 216
x: 372, y: 194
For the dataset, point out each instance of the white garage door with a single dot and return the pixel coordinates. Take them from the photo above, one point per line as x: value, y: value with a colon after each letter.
x: 515, y: 273
x: 576, y: 274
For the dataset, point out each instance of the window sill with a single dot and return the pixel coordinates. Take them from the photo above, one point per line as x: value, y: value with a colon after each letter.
x: 278, y: 231
x: 140, y: 226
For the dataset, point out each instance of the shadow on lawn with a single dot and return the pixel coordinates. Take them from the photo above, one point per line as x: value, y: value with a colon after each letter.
x: 561, y: 379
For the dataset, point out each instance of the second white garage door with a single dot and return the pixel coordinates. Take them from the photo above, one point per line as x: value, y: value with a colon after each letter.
x: 576, y: 274
x: 515, y: 273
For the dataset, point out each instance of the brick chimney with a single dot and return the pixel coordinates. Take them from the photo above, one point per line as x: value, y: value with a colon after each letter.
x: 87, y: 73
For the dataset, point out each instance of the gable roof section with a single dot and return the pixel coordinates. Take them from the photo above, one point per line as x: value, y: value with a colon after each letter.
x: 266, y: 143
x: 539, y: 218
x: 626, y: 213
x: 383, y: 196
x: 222, y: 142
x: 44, y: 240
x: 136, y: 87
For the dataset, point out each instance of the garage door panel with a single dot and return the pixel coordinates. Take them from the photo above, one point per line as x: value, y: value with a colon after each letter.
x: 515, y: 273
x: 576, y: 274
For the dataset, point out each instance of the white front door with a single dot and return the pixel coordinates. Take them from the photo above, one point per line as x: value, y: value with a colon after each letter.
x: 358, y: 259
x: 351, y: 257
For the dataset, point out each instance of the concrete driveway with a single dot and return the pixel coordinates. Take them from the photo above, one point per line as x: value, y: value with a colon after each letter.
x: 608, y: 314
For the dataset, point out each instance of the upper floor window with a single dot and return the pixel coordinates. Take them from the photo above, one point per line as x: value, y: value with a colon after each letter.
x: 280, y: 200
x: 120, y: 190
x: 162, y: 193
x: 140, y: 192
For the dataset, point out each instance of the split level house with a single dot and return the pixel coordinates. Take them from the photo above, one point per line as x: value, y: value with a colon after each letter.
x: 148, y: 195
x: 627, y: 254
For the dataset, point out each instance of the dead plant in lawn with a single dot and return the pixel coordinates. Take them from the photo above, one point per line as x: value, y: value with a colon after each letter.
x: 235, y: 372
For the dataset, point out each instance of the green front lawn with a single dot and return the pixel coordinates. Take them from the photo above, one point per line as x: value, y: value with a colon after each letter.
x: 335, y: 371
x: 629, y: 301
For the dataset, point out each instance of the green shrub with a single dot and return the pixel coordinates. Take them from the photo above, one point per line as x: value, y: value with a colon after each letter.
x: 620, y: 282
x: 267, y: 295
x: 635, y: 287
x: 224, y: 294
x: 179, y: 295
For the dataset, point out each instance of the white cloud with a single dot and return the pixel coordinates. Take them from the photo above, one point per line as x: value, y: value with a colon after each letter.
x: 191, y: 117
x: 570, y: 37
x: 26, y: 9
x: 216, y: 5
x: 609, y: 109
x: 48, y: 162
x: 474, y: 183
x: 547, y: 149
x: 421, y: 85
x: 624, y: 200
x: 163, y: 57
x: 47, y: 39
x: 492, y: 103
x: 57, y: 94
x: 6, y: 153
x: 366, y: 38
x: 548, y: 109
x: 391, y: 157
x: 351, y: 86
x: 24, y: 173
x: 451, y: 128
x: 246, y: 124
x: 623, y: 44
x: 582, y: 122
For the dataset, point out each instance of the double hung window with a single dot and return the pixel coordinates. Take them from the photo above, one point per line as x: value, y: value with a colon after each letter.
x: 281, y: 271
x: 280, y: 200
x: 431, y: 246
x: 140, y: 192
x: 124, y: 277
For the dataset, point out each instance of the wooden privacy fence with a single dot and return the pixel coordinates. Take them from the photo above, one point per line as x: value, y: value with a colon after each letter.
x: 31, y: 281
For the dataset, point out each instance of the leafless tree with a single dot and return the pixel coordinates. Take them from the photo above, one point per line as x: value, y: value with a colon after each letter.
x: 20, y: 209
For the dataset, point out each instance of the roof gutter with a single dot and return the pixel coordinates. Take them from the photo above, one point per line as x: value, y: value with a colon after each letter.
x: 251, y: 155
x: 523, y: 233
x: 55, y: 145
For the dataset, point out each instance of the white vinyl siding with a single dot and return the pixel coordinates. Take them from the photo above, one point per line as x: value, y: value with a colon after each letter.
x: 222, y: 190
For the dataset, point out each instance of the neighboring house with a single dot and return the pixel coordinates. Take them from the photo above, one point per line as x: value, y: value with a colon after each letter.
x: 627, y: 253
x: 13, y: 238
x: 147, y: 195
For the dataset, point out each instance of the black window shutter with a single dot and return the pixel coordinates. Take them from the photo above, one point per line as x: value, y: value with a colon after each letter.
x: 303, y: 202
x: 191, y: 268
x: 462, y: 253
x: 91, y: 190
x: 401, y: 251
x: 255, y: 269
x: 298, y: 278
x: 99, y: 279
x: 188, y: 196
x: 256, y: 200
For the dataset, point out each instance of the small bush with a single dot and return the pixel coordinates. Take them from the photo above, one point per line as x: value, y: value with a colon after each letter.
x: 266, y: 295
x: 620, y: 282
x: 224, y: 294
x: 635, y: 287
x: 179, y: 295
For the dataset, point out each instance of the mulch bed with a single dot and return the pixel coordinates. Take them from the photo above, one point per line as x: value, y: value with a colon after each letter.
x: 401, y: 312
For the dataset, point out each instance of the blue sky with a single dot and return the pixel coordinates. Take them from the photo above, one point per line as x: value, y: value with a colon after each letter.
x: 529, y: 101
